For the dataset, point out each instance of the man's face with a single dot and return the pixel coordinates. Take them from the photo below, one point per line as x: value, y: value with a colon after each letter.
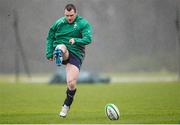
x: 70, y: 15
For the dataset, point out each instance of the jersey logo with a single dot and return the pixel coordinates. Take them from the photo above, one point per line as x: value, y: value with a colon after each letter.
x: 75, y: 25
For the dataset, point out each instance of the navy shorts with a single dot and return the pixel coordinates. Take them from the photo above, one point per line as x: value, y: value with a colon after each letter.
x: 73, y: 60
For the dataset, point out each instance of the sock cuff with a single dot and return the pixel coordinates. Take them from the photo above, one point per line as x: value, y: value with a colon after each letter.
x: 71, y: 92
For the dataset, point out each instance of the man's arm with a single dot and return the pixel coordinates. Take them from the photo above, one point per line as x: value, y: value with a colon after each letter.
x: 49, y: 42
x: 86, y: 35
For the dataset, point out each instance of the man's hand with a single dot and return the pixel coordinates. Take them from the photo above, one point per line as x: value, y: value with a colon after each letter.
x: 72, y: 41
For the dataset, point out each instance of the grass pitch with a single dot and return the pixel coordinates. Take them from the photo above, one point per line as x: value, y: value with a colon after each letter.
x: 137, y: 102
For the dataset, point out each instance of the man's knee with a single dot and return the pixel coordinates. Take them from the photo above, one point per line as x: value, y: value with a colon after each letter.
x: 64, y: 50
x: 62, y: 47
x: 72, y: 84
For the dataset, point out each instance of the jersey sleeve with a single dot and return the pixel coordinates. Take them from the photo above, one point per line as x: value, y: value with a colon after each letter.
x: 86, y: 32
x: 49, y: 41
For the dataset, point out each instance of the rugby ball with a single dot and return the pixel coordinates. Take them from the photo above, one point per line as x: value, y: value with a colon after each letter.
x: 112, y: 112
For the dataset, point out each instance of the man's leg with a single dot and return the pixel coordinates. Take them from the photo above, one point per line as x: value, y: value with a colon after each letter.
x: 72, y: 73
x: 60, y: 53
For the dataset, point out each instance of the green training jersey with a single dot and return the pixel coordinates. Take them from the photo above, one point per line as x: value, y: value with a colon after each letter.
x: 61, y: 32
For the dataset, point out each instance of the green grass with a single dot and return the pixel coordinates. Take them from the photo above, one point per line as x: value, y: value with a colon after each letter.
x: 137, y: 102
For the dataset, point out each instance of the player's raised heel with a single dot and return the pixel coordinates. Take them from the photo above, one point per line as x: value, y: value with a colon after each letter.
x: 58, y: 57
x: 64, y: 111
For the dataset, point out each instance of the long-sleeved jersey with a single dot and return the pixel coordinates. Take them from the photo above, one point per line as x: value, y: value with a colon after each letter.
x: 61, y: 32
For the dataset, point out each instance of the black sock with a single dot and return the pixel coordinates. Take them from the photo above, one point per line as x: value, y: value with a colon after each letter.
x: 70, y: 96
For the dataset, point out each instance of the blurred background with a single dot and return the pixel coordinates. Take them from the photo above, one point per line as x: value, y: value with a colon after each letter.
x: 130, y: 37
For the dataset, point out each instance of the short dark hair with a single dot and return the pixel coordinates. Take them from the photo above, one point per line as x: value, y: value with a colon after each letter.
x: 70, y: 7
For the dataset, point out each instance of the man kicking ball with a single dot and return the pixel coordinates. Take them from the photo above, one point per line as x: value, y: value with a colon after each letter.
x: 66, y: 42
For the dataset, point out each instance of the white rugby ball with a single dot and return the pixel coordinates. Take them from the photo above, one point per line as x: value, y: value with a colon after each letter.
x: 112, y: 112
